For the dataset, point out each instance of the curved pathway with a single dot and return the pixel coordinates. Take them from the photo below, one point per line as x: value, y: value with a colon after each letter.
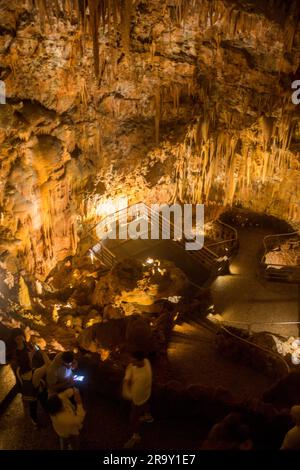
x: 241, y: 297
x: 244, y: 297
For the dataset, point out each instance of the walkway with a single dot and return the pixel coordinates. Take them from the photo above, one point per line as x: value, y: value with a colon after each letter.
x: 193, y: 359
x: 241, y: 297
x: 159, y: 249
x: 244, y: 297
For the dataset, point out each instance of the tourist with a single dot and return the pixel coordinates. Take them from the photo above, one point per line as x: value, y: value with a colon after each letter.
x: 18, y: 348
x: 137, y: 385
x: 32, y: 385
x: 60, y: 373
x: 67, y: 418
x: 292, y: 437
x: 28, y: 391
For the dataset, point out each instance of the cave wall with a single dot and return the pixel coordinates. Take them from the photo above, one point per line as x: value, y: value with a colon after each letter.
x: 171, y: 100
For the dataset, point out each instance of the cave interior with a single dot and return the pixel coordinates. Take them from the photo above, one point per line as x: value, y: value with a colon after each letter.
x: 109, y: 109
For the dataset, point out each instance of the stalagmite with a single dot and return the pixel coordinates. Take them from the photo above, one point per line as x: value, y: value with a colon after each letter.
x: 24, y: 296
x: 267, y: 124
x: 55, y: 314
x: 157, y: 101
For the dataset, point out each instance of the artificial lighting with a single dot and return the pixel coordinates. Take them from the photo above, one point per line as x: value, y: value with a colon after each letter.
x: 110, y: 206
x: 92, y: 256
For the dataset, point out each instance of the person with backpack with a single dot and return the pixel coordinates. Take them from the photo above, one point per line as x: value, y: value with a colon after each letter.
x: 29, y: 392
x: 67, y: 415
x: 32, y: 385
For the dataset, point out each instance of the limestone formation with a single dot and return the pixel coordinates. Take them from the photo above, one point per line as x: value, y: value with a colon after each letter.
x: 154, y: 100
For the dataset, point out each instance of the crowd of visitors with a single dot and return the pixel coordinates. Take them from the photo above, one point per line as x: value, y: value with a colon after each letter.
x: 52, y: 383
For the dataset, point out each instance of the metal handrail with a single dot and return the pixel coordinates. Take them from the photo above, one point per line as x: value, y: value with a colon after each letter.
x: 227, y: 241
x: 276, y: 355
x: 106, y: 217
x: 160, y: 218
x: 230, y: 227
x: 290, y: 234
x: 172, y: 225
x: 261, y: 322
x: 222, y: 242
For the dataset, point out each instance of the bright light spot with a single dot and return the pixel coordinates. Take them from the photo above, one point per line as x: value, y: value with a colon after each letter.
x: 174, y: 299
x: 296, y: 343
x: 110, y: 206
x: 92, y: 256
x: 296, y: 358
x: 184, y: 328
x: 149, y: 260
x: 97, y: 248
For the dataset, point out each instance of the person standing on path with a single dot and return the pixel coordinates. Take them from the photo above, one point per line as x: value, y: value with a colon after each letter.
x: 137, y: 385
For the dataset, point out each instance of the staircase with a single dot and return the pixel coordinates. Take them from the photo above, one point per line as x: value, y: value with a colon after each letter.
x: 208, y: 257
x: 205, y: 256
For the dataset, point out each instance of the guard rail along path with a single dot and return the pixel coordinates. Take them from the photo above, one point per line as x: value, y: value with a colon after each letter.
x: 212, y: 256
x: 281, y: 272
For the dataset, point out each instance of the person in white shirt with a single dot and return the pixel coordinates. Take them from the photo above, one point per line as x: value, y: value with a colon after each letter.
x: 67, y: 419
x: 137, y: 385
x: 292, y: 437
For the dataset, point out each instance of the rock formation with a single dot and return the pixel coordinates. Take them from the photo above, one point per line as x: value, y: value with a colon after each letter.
x: 159, y: 100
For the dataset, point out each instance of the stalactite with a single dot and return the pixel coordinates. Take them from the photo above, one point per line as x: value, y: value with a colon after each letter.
x: 101, y: 14
x: 157, y: 107
x: 83, y: 93
x: 42, y: 9
x: 267, y: 126
x: 94, y: 26
x: 125, y: 23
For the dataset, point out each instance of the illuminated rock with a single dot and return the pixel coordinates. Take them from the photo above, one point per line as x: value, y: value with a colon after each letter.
x: 24, y: 297
x: 175, y: 101
x: 132, y: 287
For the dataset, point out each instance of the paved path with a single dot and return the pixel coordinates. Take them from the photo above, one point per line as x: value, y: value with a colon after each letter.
x: 241, y: 297
x: 194, y: 359
x: 245, y: 297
